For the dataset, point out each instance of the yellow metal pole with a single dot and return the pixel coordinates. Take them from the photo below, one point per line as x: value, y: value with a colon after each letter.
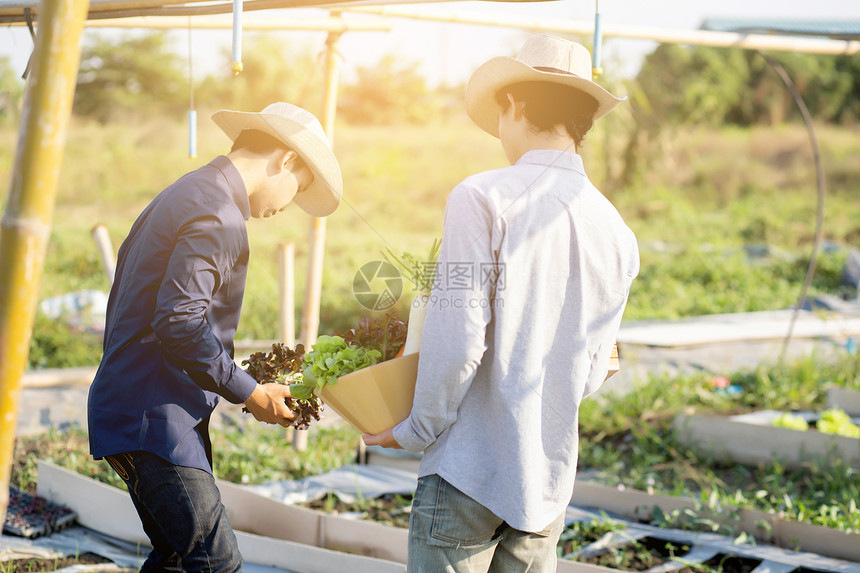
x: 316, y: 250
x: 26, y: 223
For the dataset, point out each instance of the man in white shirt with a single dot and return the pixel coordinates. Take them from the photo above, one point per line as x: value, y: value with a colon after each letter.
x: 532, y: 279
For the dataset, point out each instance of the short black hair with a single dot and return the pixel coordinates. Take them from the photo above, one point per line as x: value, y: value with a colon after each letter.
x: 258, y: 142
x: 261, y: 143
x: 548, y: 104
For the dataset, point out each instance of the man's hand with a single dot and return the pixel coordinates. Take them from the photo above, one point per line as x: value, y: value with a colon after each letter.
x: 385, y: 438
x: 267, y: 404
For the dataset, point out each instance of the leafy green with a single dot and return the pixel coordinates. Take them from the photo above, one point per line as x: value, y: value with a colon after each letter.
x: 420, y: 271
x: 284, y: 366
x: 387, y: 335
x: 328, y: 359
x: 792, y: 421
x: 836, y: 421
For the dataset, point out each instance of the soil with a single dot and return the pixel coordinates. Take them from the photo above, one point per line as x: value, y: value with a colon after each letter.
x: 651, y: 552
x: 388, y: 510
x: 34, y: 565
x: 638, y: 556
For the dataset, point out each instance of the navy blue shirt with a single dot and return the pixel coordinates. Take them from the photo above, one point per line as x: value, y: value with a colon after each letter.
x: 171, y: 318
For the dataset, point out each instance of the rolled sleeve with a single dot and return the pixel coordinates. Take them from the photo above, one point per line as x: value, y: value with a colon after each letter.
x: 205, y: 251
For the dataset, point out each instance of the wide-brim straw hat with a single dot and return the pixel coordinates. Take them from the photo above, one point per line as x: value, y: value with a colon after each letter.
x: 542, y: 59
x: 301, y: 131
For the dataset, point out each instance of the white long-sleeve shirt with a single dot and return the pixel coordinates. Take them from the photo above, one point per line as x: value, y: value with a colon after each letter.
x: 532, y: 279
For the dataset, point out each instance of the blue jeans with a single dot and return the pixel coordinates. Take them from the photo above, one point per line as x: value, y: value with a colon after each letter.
x: 452, y: 533
x: 181, y: 512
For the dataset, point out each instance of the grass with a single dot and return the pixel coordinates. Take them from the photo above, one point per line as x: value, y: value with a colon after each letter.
x: 630, y: 440
x: 251, y: 454
x: 708, y: 195
x: 627, y: 438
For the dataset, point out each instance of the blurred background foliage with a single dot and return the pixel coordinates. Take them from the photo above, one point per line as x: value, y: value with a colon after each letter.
x: 708, y: 163
x: 141, y: 73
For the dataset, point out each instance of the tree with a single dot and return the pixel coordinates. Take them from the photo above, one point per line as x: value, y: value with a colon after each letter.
x: 700, y: 85
x: 273, y: 70
x: 128, y: 73
x: 386, y: 93
x: 727, y: 85
x: 11, y: 91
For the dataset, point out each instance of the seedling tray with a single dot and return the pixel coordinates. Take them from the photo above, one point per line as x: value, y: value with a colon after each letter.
x: 33, y: 516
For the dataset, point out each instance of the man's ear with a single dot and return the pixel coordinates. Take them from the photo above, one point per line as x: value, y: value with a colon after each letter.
x: 516, y: 106
x: 282, y: 160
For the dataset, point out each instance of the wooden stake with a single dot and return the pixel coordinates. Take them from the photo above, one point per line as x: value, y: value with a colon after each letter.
x: 287, y: 306
x: 311, y: 312
x: 105, y: 248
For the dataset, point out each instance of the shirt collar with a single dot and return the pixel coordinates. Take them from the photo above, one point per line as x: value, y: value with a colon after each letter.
x: 237, y: 187
x: 552, y: 158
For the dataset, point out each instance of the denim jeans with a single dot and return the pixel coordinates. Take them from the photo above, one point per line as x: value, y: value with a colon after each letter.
x: 181, y: 512
x: 452, y: 533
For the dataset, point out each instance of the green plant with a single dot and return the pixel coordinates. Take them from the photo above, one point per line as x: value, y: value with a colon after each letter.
x: 284, y: 366
x: 421, y: 271
x: 385, y: 335
x: 328, y: 359
x: 257, y: 454
x: 836, y: 421
x: 580, y: 534
x: 629, y: 440
x: 55, y: 344
x: 792, y: 421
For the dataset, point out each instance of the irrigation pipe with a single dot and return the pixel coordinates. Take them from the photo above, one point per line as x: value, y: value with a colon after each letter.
x: 819, y: 220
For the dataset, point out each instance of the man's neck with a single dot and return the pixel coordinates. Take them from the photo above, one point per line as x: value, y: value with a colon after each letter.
x: 548, y: 140
x: 532, y: 140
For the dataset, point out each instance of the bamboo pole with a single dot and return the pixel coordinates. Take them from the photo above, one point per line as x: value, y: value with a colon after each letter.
x: 14, y: 11
x: 287, y: 306
x: 105, y: 248
x: 219, y: 23
x: 26, y: 223
x: 310, y: 315
x: 313, y: 290
x: 662, y: 35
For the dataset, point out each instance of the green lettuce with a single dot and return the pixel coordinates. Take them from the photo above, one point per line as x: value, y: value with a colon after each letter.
x: 329, y: 358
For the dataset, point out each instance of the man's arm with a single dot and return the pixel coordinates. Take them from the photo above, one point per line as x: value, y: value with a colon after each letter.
x: 203, y: 255
x: 453, y: 336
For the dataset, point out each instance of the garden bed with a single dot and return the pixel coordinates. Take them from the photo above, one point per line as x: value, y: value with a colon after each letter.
x: 109, y: 510
x: 752, y: 439
x: 266, y: 527
x: 765, y: 527
x: 847, y: 400
x: 631, y: 546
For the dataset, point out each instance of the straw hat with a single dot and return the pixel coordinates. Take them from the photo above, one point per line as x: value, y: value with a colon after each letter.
x: 299, y: 130
x: 542, y: 59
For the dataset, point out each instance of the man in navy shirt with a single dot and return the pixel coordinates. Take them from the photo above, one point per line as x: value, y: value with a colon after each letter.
x: 172, y: 315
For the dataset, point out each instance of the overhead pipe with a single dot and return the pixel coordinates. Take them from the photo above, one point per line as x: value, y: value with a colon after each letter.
x: 662, y: 35
x: 597, y: 45
x: 236, y: 65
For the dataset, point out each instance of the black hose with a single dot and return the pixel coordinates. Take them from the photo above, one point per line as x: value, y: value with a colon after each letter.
x: 819, y: 222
